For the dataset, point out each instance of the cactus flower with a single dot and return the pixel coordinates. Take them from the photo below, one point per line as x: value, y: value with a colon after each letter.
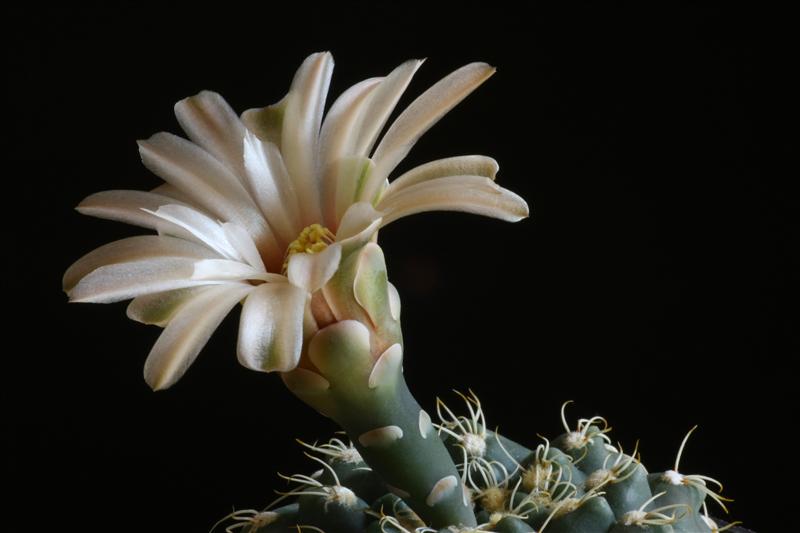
x: 263, y: 209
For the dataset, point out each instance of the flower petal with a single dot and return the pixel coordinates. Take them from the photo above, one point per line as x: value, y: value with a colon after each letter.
x: 471, y: 194
x: 241, y: 241
x: 351, y: 174
x: 359, y: 224
x: 122, y: 281
x: 187, y: 333
x: 465, y: 165
x: 271, y: 327
x: 419, y: 116
x: 125, y: 206
x: 208, y: 183
x: 190, y: 224
x: 271, y: 187
x: 165, y: 189
x: 159, y: 308
x: 394, y: 301
x: 196, y: 173
x: 381, y: 104
x: 227, y: 270
x: 338, y: 137
x: 266, y: 122
x: 210, y: 122
x: 312, y: 271
x: 301, y: 125
x: 133, y: 249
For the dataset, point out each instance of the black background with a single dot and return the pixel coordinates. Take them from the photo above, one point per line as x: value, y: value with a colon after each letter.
x: 648, y: 286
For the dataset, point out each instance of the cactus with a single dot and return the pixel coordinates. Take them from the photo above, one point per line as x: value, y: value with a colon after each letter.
x: 588, y: 487
x: 280, y: 211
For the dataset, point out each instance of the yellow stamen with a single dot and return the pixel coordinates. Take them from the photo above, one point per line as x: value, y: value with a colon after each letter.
x: 313, y: 239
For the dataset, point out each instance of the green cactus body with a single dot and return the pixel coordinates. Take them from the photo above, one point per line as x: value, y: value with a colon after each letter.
x: 628, y: 493
x: 590, y: 515
x: 624, y: 481
x: 676, y: 492
x: 621, y: 528
x: 511, y: 524
x: 358, y: 477
x: 692, y: 522
x: 505, y: 450
x: 395, y: 507
x: 539, y: 491
x: 548, y: 465
x: 588, y: 453
x: 339, y: 511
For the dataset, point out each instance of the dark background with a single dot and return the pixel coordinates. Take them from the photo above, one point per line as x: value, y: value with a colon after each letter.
x: 648, y: 286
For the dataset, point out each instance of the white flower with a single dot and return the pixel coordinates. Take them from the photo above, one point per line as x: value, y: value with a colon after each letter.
x: 261, y: 209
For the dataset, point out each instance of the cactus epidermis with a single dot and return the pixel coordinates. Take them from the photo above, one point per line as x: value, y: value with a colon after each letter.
x: 579, y: 483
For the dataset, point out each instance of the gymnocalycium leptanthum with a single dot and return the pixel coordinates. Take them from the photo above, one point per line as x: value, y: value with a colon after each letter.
x: 279, y: 210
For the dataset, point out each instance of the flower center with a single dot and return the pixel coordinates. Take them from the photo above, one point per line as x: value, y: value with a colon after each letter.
x: 313, y: 239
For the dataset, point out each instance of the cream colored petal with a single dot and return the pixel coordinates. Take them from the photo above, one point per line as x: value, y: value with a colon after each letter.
x: 359, y: 224
x: 351, y: 174
x: 381, y: 104
x: 338, y: 137
x: 241, y: 241
x: 210, y: 122
x: 271, y: 327
x: 465, y: 165
x: 271, y: 187
x: 159, y: 308
x: 266, y: 122
x: 226, y: 270
x: 125, y: 206
x: 134, y: 249
x: 419, y: 116
x: 190, y: 224
x: 312, y: 271
x: 188, y: 332
x: 122, y: 281
x: 339, y: 134
x: 209, y: 184
x: 170, y: 191
x: 471, y: 194
x: 394, y: 301
x: 301, y: 126
x: 196, y: 173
